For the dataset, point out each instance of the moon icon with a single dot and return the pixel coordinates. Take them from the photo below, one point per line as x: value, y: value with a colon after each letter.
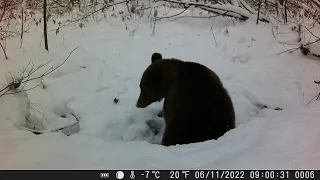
x: 120, y: 175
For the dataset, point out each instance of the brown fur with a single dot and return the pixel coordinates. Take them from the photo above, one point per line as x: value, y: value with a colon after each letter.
x: 196, y: 107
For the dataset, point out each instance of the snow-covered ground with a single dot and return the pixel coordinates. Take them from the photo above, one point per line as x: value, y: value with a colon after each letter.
x: 109, y: 64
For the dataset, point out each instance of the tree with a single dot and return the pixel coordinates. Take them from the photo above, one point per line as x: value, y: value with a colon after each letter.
x: 45, y: 30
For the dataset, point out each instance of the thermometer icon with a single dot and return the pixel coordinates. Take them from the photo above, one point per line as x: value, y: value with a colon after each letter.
x: 132, y: 176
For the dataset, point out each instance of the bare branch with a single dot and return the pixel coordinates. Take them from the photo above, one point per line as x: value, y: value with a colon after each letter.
x: 90, y: 14
x: 4, y: 50
x: 26, y: 78
x: 213, y: 9
x: 52, y: 68
x: 294, y: 49
x: 22, y: 90
x: 167, y: 17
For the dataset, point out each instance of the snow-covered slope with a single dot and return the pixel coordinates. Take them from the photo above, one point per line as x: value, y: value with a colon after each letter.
x: 109, y: 64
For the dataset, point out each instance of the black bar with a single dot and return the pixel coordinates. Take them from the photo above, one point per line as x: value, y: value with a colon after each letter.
x: 157, y: 174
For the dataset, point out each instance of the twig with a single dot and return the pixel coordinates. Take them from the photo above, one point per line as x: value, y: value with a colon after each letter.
x: 90, y: 14
x: 25, y: 79
x: 53, y: 69
x: 316, y: 97
x: 200, y: 17
x: 167, y: 17
x: 294, y: 49
x: 4, y: 51
x: 23, y: 90
x: 211, y: 28
x: 54, y: 1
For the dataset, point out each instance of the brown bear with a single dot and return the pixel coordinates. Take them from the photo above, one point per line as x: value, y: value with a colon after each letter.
x: 196, y: 108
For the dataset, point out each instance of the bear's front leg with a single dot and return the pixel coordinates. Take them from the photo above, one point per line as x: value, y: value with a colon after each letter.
x: 165, y: 139
x: 171, y: 138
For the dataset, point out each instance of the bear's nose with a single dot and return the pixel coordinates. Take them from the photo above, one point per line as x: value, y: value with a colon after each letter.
x: 138, y: 105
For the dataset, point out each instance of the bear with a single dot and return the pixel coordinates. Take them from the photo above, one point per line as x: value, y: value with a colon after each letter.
x: 196, y: 107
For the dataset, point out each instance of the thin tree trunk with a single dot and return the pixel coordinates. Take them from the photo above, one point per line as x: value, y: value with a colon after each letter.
x: 45, y: 31
x: 21, y: 36
x: 277, y: 6
x: 266, y: 7
x: 285, y: 12
x: 258, y: 16
x: 4, y: 50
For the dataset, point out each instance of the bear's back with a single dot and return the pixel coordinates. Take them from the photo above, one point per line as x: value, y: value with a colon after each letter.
x: 198, y: 107
x: 191, y: 73
x: 198, y: 81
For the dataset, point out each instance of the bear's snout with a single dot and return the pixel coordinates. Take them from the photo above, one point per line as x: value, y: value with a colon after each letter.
x: 138, y: 105
x: 141, y: 103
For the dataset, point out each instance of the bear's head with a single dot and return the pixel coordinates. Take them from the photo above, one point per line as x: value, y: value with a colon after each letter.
x: 151, y: 84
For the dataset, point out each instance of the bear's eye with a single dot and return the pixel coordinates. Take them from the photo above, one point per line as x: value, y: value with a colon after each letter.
x: 147, y: 92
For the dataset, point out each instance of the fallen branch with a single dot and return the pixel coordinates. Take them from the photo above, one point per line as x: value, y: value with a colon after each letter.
x: 241, y: 11
x: 61, y: 5
x: 199, y: 17
x: 167, y: 17
x: 232, y: 11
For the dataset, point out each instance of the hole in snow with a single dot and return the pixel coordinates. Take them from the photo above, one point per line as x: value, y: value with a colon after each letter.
x: 37, y: 133
x: 141, y: 125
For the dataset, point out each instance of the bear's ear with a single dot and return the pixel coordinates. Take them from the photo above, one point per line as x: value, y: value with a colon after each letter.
x: 156, y: 57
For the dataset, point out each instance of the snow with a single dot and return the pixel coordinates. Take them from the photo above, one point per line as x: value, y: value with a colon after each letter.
x: 109, y: 64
